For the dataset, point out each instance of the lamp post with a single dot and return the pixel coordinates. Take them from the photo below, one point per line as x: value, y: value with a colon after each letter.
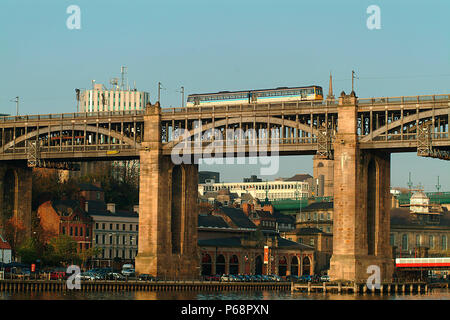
x: 16, y: 100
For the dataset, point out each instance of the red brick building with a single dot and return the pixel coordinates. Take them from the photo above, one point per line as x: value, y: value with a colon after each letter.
x: 66, y: 217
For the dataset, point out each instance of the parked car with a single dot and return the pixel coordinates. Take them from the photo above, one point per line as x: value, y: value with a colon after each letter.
x: 228, y: 278
x: 240, y: 277
x: 292, y: 278
x: 213, y: 278
x: 114, y: 276
x: 315, y: 278
x: 325, y: 278
x: 305, y: 278
x: 58, y: 275
x: 265, y: 278
x: 258, y: 278
x: 128, y: 272
x: 247, y: 277
x: 88, y: 276
x: 146, y: 277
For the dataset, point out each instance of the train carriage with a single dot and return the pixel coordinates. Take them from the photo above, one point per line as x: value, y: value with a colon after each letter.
x: 256, y: 96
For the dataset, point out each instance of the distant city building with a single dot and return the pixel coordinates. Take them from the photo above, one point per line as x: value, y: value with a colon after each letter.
x: 208, y: 177
x: 252, y: 178
x: 115, y: 232
x: 419, y: 228
x: 298, y: 186
x: 323, y: 172
x: 102, y: 99
x: 5, y: 251
x: 229, y: 244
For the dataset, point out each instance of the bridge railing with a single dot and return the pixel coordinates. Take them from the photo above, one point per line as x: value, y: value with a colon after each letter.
x: 249, y: 107
x: 404, y: 99
x: 71, y: 148
x: 75, y: 115
x: 407, y: 136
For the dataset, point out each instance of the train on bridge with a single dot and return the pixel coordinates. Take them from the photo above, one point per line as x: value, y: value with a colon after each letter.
x: 309, y: 93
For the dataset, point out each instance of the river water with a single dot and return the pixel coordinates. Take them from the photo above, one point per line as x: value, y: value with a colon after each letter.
x: 436, y: 294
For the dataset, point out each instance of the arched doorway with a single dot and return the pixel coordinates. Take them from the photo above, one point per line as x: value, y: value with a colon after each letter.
x: 206, y: 264
x: 9, y: 195
x: 220, y: 264
x: 306, y: 266
x: 258, y: 265
x: 282, y: 266
x: 294, y: 266
x: 234, y: 265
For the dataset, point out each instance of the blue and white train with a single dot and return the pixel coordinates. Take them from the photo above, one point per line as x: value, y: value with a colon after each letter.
x: 256, y: 96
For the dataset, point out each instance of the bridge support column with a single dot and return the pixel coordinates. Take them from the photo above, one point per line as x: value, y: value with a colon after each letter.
x: 361, y: 224
x: 167, y: 209
x: 15, y: 196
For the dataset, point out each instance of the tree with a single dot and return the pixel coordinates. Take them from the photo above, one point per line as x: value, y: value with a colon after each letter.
x: 28, y: 251
x: 14, y: 232
x: 61, y: 250
x: 88, y: 254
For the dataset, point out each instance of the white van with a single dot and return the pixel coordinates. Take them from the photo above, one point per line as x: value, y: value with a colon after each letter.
x: 128, y: 270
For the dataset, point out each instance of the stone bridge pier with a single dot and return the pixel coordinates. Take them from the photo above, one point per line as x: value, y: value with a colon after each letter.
x: 15, y: 195
x: 361, y: 223
x: 167, y: 209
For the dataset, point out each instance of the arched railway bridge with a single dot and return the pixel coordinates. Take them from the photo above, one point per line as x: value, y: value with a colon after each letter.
x: 359, y: 134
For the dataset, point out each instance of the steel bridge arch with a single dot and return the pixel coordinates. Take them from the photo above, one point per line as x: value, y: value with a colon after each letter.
x: 106, y: 132
x: 250, y: 119
x: 409, y: 119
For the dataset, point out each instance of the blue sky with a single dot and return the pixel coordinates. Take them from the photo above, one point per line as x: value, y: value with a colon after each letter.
x: 209, y: 46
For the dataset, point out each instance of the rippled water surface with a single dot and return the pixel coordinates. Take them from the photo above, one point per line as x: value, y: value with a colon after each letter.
x: 436, y: 294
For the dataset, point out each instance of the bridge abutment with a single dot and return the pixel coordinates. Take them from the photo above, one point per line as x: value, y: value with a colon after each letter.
x: 167, y: 209
x: 361, y: 224
x: 15, y: 197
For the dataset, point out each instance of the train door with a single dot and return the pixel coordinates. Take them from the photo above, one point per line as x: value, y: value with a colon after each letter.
x: 254, y: 97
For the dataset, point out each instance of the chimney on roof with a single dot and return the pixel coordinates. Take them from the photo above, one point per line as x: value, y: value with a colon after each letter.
x: 136, y: 208
x: 111, y: 207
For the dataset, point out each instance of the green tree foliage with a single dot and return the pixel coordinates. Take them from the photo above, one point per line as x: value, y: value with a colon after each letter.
x: 61, y: 250
x: 88, y: 254
x: 119, y: 180
x: 28, y: 251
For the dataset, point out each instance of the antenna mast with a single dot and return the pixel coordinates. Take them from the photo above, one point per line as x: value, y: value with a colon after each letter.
x: 123, y: 72
x: 353, y: 80
x: 438, y: 186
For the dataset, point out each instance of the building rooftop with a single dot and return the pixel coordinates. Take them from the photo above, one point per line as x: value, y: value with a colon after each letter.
x: 220, y: 242
x: 238, y: 217
x: 4, y: 245
x: 209, y: 221
x: 118, y: 213
x: 299, y: 177
x: 404, y: 217
x: 319, y: 206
